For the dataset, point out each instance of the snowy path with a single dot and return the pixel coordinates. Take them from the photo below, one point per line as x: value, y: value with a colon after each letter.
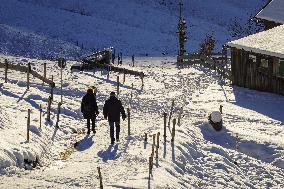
x: 199, y: 158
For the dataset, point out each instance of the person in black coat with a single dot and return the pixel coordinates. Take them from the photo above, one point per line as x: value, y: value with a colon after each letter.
x: 112, y: 110
x: 89, y: 108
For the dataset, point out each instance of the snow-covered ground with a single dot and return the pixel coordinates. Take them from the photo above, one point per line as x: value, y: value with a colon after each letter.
x: 50, y: 28
x: 247, y: 153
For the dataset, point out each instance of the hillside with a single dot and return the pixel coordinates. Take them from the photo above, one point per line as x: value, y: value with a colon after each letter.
x: 72, y: 28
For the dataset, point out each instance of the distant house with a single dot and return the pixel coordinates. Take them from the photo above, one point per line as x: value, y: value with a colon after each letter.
x: 272, y: 14
x: 258, y: 60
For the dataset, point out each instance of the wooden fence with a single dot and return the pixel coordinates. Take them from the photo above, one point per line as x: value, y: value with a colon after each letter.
x: 26, y: 69
x: 217, y: 62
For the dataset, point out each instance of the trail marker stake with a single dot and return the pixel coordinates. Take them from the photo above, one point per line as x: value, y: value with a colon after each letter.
x: 28, y: 125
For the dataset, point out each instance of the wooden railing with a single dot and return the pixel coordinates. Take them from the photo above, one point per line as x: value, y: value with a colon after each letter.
x: 215, y: 62
x: 25, y: 69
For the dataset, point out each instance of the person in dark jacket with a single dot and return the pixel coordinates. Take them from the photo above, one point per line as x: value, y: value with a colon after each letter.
x: 89, y: 108
x: 112, y: 110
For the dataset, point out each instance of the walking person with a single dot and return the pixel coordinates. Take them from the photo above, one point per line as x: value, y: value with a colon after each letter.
x: 89, y: 108
x: 112, y: 110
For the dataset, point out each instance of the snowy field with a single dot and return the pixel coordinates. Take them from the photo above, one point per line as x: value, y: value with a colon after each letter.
x: 247, y: 153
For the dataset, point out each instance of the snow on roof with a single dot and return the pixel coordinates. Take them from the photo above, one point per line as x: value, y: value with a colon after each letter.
x: 274, y: 11
x: 270, y: 42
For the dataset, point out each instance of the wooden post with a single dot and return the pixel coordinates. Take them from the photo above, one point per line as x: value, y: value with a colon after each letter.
x: 132, y: 87
x: 117, y: 85
x: 158, y: 140
x: 174, y: 130
x: 40, y: 114
x: 6, y: 70
x: 157, y: 152
x: 128, y: 117
x: 123, y: 75
x: 28, y: 125
x: 28, y: 75
x: 165, y: 127
x: 154, y: 139
x: 145, y: 139
x: 221, y: 109
x: 48, y: 108
x: 44, y: 70
x: 100, y: 177
x: 150, y: 167
x: 58, y: 112
x: 171, y: 112
x: 142, y: 81
x: 152, y: 158
x: 153, y: 150
x: 51, y: 91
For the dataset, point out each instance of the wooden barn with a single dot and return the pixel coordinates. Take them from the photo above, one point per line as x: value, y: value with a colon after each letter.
x: 257, y: 61
x: 272, y: 14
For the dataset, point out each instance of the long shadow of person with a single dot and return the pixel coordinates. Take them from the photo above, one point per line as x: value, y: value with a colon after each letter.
x: 84, y: 143
x: 109, y: 154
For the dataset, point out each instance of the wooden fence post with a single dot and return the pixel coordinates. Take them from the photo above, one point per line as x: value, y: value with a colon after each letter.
x: 171, y: 112
x: 142, y: 79
x: 100, y: 177
x: 44, y: 70
x: 165, y: 127
x: 150, y: 167
x: 6, y: 70
x: 174, y: 130
x: 221, y: 109
x: 48, y: 108
x: 51, y: 91
x: 28, y: 125
x: 58, y: 112
x: 40, y: 115
x: 128, y: 117
x: 154, y: 139
x: 28, y: 75
x: 158, y: 140
x: 145, y: 139
x: 117, y: 85
x: 153, y: 150
x: 157, y: 152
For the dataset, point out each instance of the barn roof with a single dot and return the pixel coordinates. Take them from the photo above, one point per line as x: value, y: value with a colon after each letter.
x: 270, y: 42
x: 273, y: 11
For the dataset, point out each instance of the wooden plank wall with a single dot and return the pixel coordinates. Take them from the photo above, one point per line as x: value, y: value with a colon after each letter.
x: 246, y: 73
